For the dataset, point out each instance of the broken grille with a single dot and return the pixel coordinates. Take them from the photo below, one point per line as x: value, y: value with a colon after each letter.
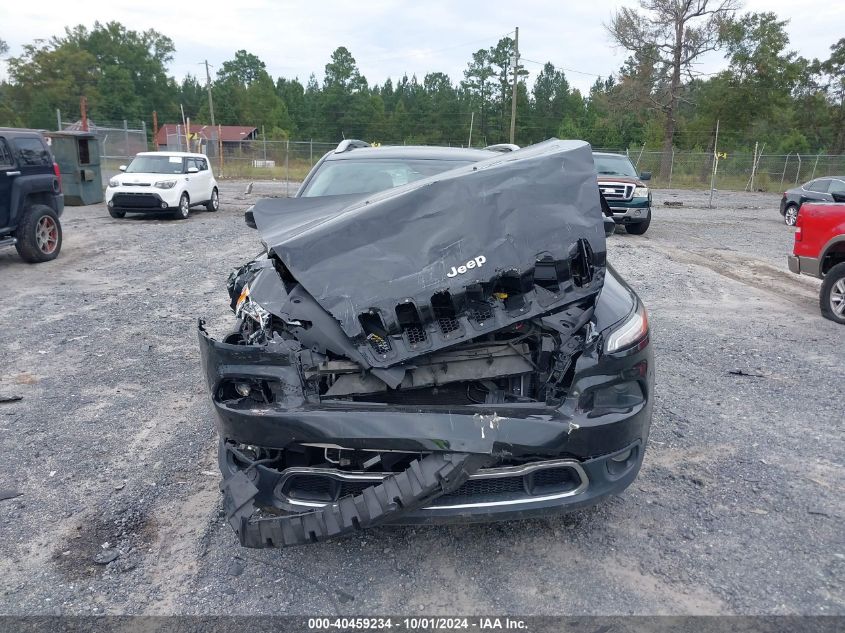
x: 481, y: 312
x: 379, y: 344
x: 448, y: 325
x: 482, y: 488
x: 416, y: 335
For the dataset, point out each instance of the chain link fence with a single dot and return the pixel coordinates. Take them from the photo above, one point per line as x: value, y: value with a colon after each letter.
x: 734, y: 171
x: 289, y: 161
x: 118, y: 141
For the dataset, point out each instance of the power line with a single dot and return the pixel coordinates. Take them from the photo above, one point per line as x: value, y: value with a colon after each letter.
x: 569, y: 70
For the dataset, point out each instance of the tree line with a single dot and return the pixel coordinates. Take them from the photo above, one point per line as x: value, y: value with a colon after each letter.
x: 766, y: 93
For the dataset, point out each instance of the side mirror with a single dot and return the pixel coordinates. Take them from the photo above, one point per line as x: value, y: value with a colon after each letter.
x: 193, y: 170
x: 609, y: 226
x: 122, y: 168
x: 249, y: 219
x: 646, y: 175
x: 838, y: 196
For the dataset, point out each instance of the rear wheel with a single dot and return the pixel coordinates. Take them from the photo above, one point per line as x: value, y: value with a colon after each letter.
x: 640, y: 227
x: 184, y: 209
x: 39, y: 234
x: 790, y: 214
x: 214, y: 203
x: 832, y: 295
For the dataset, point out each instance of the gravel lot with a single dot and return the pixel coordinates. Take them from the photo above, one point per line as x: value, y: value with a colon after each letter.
x: 738, y: 509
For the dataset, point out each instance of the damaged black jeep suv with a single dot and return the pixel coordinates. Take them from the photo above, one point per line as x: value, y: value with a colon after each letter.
x: 416, y: 346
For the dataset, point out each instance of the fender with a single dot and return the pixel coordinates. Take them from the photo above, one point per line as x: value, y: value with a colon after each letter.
x: 46, y: 186
x: 828, y: 248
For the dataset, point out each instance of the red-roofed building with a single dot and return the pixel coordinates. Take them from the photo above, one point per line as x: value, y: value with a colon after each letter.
x: 172, y: 135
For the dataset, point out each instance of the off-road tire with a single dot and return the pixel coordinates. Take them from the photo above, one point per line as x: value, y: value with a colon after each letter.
x: 832, y: 294
x: 184, y: 209
x: 39, y: 234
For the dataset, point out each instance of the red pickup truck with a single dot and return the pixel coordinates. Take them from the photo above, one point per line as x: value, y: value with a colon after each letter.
x: 820, y: 251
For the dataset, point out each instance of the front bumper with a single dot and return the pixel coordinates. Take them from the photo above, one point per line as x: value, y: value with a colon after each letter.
x: 630, y: 211
x: 490, y: 494
x: 579, y: 442
x: 805, y: 265
x: 142, y: 199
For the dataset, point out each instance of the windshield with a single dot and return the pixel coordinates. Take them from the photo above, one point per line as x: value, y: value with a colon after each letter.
x: 614, y: 166
x: 339, y: 177
x: 155, y: 165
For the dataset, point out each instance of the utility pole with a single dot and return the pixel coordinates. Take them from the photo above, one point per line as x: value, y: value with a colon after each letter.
x: 515, y: 67
x: 471, y: 121
x: 208, y: 87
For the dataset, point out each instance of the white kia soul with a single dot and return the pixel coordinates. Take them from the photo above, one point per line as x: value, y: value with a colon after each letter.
x: 163, y: 182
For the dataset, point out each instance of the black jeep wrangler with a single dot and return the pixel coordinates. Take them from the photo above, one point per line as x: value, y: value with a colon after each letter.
x: 31, y: 199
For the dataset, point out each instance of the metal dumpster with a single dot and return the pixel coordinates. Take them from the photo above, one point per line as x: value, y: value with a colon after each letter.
x: 78, y: 156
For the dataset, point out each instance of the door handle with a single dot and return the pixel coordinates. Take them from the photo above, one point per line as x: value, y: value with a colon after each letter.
x: 13, y: 173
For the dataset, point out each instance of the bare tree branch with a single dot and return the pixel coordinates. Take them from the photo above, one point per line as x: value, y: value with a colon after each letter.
x: 672, y: 34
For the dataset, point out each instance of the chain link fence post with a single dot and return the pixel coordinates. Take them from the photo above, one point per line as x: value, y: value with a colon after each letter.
x: 671, y: 167
x: 287, y: 169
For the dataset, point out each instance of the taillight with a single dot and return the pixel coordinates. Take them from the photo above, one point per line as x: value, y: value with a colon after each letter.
x: 798, y: 234
x: 58, y: 175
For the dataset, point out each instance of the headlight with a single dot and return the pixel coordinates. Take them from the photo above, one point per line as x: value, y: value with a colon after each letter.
x: 631, y: 330
x: 165, y: 184
x: 641, y: 192
x: 114, y: 182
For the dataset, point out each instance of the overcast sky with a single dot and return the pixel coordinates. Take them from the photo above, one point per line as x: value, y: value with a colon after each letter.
x: 388, y: 37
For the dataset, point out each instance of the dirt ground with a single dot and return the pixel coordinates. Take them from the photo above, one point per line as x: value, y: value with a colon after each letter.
x: 738, y: 509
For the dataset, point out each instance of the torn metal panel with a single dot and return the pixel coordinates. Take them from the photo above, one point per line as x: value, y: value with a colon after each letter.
x: 503, y: 240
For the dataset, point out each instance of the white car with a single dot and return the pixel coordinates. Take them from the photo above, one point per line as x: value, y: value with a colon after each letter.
x: 163, y: 182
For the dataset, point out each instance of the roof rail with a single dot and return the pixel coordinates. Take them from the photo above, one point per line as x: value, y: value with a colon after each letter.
x: 502, y: 147
x: 349, y: 144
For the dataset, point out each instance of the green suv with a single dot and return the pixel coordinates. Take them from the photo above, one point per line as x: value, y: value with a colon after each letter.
x: 625, y: 190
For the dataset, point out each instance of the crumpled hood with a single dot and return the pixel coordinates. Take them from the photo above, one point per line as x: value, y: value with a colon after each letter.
x: 458, y: 231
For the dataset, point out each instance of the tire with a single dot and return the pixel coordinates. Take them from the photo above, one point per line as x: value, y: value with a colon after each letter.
x: 214, y: 203
x: 39, y: 234
x: 640, y: 227
x: 832, y: 295
x: 184, y: 209
x: 117, y: 214
x: 790, y: 214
